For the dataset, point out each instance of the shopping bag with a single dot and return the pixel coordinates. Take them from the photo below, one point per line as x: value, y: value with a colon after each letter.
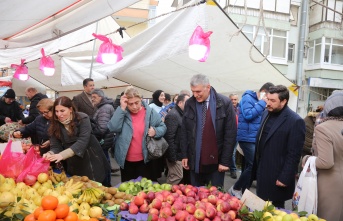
x: 11, y: 163
x: 305, y: 197
x: 34, y: 164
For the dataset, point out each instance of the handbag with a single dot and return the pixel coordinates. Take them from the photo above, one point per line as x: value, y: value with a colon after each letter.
x: 305, y: 197
x: 156, y: 147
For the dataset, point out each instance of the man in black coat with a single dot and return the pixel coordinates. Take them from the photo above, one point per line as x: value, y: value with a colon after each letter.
x: 34, y: 96
x: 208, y: 133
x: 279, y: 143
x: 83, y: 101
x: 10, y: 110
x: 173, y: 121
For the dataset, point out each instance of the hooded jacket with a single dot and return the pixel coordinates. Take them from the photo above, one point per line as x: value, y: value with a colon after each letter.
x: 101, y: 117
x: 249, y: 117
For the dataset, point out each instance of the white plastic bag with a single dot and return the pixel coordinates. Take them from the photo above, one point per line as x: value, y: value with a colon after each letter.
x: 305, y: 197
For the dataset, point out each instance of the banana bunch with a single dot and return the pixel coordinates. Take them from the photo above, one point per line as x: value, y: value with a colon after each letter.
x: 73, y: 188
x: 91, y: 196
x: 57, y: 177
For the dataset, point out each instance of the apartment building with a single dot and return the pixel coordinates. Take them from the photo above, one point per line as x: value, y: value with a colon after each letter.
x: 322, y: 63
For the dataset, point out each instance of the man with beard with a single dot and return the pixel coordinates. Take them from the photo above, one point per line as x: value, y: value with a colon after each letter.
x: 279, y: 143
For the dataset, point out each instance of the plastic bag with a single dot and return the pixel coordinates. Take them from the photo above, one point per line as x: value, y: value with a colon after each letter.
x: 109, y: 53
x: 11, y: 163
x: 33, y: 165
x: 199, y: 44
x: 305, y: 197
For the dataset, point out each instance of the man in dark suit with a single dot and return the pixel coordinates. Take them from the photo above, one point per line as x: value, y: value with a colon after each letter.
x: 208, y: 134
x: 279, y: 143
x: 83, y: 102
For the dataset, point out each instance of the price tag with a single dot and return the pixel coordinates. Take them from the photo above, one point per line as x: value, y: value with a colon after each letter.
x: 252, y: 201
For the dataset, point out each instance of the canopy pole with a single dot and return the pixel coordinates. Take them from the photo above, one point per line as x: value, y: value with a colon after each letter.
x: 300, y: 55
x: 91, y: 69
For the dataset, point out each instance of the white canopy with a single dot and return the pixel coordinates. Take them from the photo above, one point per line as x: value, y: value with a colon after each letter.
x: 158, y: 59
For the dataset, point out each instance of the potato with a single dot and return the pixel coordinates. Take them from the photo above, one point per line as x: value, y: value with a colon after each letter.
x: 112, y: 190
x: 118, y: 201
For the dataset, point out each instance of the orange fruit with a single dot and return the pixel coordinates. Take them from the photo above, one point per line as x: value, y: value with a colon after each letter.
x: 38, y: 211
x: 72, y: 216
x: 30, y: 217
x: 49, y: 202
x: 59, y: 219
x: 62, y: 211
x: 47, y: 215
x: 93, y: 219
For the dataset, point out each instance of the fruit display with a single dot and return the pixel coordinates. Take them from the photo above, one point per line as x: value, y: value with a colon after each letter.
x: 144, y: 184
x: 52, y: 197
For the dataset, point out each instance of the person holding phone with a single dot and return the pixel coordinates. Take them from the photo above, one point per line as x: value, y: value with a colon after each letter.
x: 38, y: 129
x: 250, y: 111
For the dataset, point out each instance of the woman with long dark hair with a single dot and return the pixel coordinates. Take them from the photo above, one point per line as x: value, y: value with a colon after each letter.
x: 72, y: 142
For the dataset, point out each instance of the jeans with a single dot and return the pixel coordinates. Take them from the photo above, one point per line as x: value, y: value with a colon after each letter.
x: 233, y: 167
x: 244, y: 181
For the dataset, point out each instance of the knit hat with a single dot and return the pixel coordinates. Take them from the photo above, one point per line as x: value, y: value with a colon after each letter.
x: 333, y: 106
x: 9, y: 94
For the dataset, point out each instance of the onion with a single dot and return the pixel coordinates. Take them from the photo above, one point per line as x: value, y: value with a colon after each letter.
x: 30, y: 179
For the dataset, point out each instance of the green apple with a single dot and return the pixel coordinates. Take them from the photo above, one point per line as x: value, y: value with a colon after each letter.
x: 131, y: 183
x: 144, y: 179
x: 166, y: 186
x: 287, y: 217
x: 157, y: 186
x: 123, y: 187
x: 312, y: 217
x: 303, y: 218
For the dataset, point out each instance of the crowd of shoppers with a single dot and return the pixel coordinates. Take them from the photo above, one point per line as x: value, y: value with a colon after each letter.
x: 202, y: 130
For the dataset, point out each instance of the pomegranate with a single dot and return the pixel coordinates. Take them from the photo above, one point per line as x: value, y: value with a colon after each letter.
x: 30, y: 179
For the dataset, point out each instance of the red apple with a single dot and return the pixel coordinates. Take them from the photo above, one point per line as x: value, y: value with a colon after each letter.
x: 225, y: 217
x: 207, y: 219
x: 154, y: 211
x: 162, y: 219
x: 224, y: 207
x: 175, y: 195
x: 200, y: 205
x: 190, y: 217
x: 211, y: 212
x: 220, y: 195
x: 138, y: 200
x: 212, y: 199
x: 159, y: 196
x: 234, y: 204
x: 179, y: 192
x: 200, y: 214
x: 150, y: 196
x: 176, y: 207
x: 181, y: 215
x: 190, y: 193
x: 156, y: 203
x: 237, y: 220
x: 174, y: 188
x: 217, y: 218
x: 133, y: 209
x: 213, y: 188
x: 232, y: 214
x: 171, y: 218
x: 170, y: 199
x: 219, y: 202
x: 190, y: 208
x: 124, y: 206
x: 166, y: 212
x: 195, y: 190
x: 219, y: 213
x: 144, y: 208
x: 203, y: 189
x: 202, y: 195
x: 165, y: 204
x: 154, y: 217
x: 142, y: 194
x: 205, y: 200
x: 190, y: 200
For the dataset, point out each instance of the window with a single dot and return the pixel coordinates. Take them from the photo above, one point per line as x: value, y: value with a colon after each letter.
x: 333, y: 51
x: 291, y: 49
x: 277, y: 41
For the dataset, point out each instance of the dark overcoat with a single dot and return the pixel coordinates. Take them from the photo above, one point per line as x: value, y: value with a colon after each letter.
x: 83, y: 104
x: 279, y: 157
x: 225, y: 127
x: 89, y: 159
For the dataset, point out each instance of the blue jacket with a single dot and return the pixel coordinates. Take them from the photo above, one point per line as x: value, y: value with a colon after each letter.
x: 121, y: 124
x: 249, y: 118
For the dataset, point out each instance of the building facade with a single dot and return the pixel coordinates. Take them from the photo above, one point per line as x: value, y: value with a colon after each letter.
x: 322, y: 63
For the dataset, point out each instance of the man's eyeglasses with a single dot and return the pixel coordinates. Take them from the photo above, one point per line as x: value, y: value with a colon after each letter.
x: 44, y: 112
